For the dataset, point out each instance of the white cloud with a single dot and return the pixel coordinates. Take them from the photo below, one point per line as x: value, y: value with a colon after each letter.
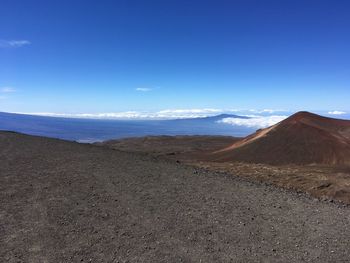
x: 108, y: 115
x: 143, y: 89
x: 188, y: 113
x: 270, y: 111
x: 255, y: 122
x: 205, y: 110
x: 7, y: 90
x: 160, y: 115
x: 13, y: 43
x: 163, y: 114
x: 336, y: 112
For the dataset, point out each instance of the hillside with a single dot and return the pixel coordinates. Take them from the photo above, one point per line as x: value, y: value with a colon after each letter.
x: 303, y: 138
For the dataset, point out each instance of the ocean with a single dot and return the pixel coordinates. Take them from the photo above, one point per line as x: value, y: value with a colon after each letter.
x: 92, y: 130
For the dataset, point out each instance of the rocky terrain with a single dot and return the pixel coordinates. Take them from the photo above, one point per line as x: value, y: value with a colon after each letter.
x: 183, y: 147
x: 69, y: 202
x: 306, y: 152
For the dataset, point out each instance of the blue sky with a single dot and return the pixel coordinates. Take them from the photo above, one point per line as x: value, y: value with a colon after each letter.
x: 117, y: 56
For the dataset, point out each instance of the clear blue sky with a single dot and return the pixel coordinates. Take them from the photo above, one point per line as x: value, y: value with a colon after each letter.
x: 92, y: 56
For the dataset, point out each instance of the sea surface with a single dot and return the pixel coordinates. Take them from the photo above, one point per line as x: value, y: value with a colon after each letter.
x: 91, y: 130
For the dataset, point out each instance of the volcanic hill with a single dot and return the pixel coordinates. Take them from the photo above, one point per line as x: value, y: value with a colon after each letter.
x: 303, y: 138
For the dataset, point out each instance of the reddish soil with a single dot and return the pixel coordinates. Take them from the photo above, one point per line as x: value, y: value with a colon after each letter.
x: 303, y: 138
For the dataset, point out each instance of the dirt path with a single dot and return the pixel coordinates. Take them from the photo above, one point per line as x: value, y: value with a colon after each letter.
x: 68, y: 202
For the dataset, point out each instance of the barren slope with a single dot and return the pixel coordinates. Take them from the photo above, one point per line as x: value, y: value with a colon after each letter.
x: 303, y: 138
x: 181, y: 147
x: 68, y: 202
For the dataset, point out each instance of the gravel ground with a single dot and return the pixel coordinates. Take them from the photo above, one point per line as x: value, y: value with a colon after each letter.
x: 68, y: 202
x: 320, y: 181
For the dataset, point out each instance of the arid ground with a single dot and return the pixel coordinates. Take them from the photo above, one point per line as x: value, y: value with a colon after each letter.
x: 321, y: 181
x: 69, y: 202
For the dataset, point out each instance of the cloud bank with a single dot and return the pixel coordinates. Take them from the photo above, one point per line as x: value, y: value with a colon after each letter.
x: 270, y: 111
x: 13, y: 43
x: 163, y: 114
x: 336, y: 112
x: 255, y: 121
x: 174, y: 114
